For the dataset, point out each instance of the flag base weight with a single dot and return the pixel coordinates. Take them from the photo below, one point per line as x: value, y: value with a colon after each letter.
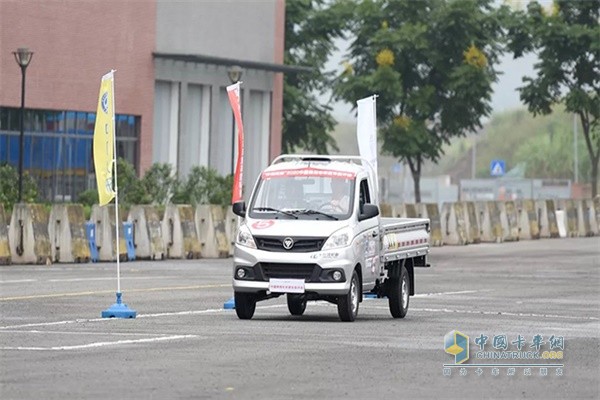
x: 118, y: 310
x: 229, y: 304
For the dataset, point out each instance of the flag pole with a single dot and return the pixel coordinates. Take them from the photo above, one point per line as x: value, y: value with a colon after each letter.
x: 119, y: 309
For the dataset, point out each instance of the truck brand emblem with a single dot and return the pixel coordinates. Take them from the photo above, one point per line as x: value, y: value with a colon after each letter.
x: 288, y: 243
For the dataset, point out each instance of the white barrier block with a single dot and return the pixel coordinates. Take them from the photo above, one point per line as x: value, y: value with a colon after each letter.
x: 562, y: 224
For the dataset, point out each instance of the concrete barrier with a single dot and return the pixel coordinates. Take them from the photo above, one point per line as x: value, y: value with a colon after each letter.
x: 552, y: 222
x: 210, y: 220
x: 541, y: 207
x: 104, y: 218
x: 490, y: 229
x: 571, y: 217
x: 596, y: 201
x: 179, y: 232
x: 431, y: 211
x: 584, y: 226
x: 453, y: 224
x: 147, y: 233
x: 386, y: 210
x: 5, y: 258
x: 472, y: 222
x: 28, y: 235
x: 66, y: 229
x: 528, y: 220
x: 411, y: 210
x: 231, y: 226
x: 561, y: 223
x: 593, y: 214
x: 509, y: 221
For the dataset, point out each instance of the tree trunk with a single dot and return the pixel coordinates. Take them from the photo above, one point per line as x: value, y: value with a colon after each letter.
x: 594, y: 153
x: 594, y: 177
x: 415, y: 170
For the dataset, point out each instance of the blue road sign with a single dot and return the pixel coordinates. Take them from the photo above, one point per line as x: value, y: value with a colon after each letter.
x: 497, y: 168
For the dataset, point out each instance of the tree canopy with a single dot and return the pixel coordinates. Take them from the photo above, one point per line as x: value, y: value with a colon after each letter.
x: 310, y: 28
x: 432, y: 64
x: 566, y: 39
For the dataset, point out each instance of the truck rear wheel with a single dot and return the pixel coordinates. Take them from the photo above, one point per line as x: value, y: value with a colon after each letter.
x: 296, y: 303
x: 348, y: 304
x: 398, y: 294
x: 245, y: 305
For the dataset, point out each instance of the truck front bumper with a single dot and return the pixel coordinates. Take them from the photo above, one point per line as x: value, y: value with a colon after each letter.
x: 267, y: 264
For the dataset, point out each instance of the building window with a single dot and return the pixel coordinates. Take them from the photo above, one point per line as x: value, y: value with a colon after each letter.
x: 58, y: 148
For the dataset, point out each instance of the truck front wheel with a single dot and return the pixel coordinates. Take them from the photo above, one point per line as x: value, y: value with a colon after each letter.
x: 296, y: 303
x: 348, y: 304
x: 398, y: 292
x: 245, y: 304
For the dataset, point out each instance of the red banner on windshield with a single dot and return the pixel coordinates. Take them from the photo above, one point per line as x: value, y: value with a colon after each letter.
x: 307, y: 172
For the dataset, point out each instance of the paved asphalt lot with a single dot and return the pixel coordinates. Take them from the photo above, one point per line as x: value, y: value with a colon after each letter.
x: 53, y: 345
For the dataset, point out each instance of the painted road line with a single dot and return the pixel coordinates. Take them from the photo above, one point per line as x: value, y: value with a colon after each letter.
x: 166, y: 314
x: 449, y: 293
x: 497, y: 313
x: 102, y: 344
x: 95, y: 333
x: 19, y: 281
x: 95, y: 292
x: 126, y: 278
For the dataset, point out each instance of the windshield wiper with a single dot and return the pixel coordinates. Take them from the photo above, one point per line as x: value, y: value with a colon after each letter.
x: 316, y: 212
x: 274, y: 210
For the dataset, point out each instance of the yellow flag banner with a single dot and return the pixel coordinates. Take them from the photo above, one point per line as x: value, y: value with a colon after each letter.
x: 104, y: 140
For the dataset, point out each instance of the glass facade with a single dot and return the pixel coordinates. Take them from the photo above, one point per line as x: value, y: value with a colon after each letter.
x: 57, y: 149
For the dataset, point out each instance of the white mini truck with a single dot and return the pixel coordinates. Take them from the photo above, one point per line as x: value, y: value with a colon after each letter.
x: 296, y: 239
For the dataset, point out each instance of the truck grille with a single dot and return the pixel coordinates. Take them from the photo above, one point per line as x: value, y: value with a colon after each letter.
x: 301, y: 245
x: 308, y: 272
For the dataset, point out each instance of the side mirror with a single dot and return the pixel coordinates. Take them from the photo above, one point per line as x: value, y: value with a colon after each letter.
x: 368, y: 211
x: 239, y: 208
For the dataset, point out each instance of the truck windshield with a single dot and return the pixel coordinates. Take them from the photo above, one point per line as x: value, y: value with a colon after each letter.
x: 308, y: 197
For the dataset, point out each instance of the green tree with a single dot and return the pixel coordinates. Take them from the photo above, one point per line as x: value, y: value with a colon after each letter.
x: 310, y: 28
x: 567, y: 42
x: 9, y: 189
x: 204, y: 186
x: 130, y: 187
x: 159, y: 183
x: 432, y: 64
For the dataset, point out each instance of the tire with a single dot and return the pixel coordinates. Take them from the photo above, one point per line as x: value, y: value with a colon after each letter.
x: 296, y: 303
x: 245, y: 305
x: 399, y: 294
x: 348, y: 304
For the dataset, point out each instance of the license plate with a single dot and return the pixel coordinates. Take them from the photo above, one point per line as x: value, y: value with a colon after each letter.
x: 286, y: 285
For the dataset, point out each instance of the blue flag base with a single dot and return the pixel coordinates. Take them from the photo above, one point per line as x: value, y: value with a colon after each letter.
x: 118, y: 310
x: 229, y: 304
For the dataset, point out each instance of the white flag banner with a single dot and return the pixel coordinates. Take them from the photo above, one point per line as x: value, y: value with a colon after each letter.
x: 366, y: 134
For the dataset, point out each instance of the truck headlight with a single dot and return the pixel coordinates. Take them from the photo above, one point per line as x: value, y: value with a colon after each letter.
x: 244, y: 237
x: 341, y: 238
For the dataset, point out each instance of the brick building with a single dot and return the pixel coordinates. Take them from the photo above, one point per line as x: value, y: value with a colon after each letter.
x: 173, y: 62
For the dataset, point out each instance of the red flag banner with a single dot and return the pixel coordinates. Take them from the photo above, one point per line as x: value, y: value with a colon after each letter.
x: 233, y: 91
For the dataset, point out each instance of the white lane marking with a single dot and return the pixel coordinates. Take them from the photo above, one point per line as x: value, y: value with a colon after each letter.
x: 166, y: 314
x: 102, y: 344
x: 445, y: 293
x: 504, y: 313
x: 129, y: 278
x: 108, y: 278
x: 95, y: 333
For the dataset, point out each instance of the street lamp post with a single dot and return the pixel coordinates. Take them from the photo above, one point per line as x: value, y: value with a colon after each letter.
x: 23, y: 57
x: 235, y: 74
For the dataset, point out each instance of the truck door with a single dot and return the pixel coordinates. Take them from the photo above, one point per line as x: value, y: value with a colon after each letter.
x: 369, y: 239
